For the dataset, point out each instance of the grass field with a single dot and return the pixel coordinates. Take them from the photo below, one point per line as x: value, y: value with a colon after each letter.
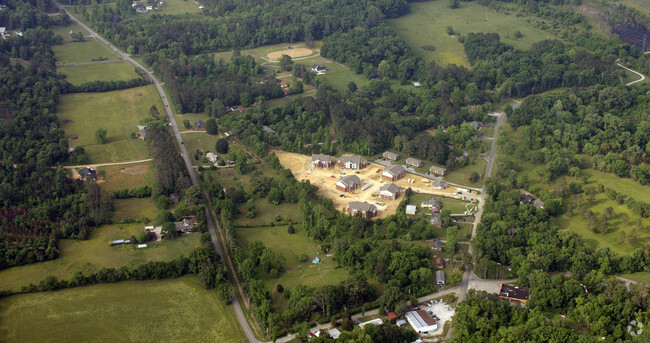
x: 427, y: 22
x: 139, y: 311
x: 643, y: 277
x: 266, y: 212
x: 337, y: 75
x: 260, y: 53
x: 112, y: 71
x: 176, y: 7
x: 127, y: 176
x: 64, y: 31
x: 90, y: 255
x: 199, y: 141
x: 642, y: 6
x: 82, y: 52
x: 306, y: 273
x: 118, y: 112
x: 461, y: 175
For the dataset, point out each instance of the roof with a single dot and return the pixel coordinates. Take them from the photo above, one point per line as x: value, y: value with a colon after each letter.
x: 441, y: 183
x: 3, y: 29
x: 86, y: 172
x: 440, y: 276
x: 433, y: 202
x: 186, y: 223
x: 437, y: 169
x: 435, y: 219
x: 411, y: 208
x: 320, y: 158
x: 391, y: 154
x: 412, y: 160
x: 440, y: 261
x: 514, y: 292
x: 436, y: 243
x: 420, y: 319
x: 392, y: 315
x: 362, y: 206
x: 416, y: 84
x: 199, y: 123
x: 143, y: 131
x: 334, y: 333
x: 394, y: 170
x: 527, y: 199
x: 377, y: 321
x: 390, y: 187
x: 350, y: 180
x: 401, y: 322
x: 475, y: 124
x: 351, y: 159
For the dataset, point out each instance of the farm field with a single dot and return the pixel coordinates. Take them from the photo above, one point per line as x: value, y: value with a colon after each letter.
x: 307, y: 273
x: 110, y: 71
x: 77, y: 52
x: 325, y: 180
x: 90, y: 255
x: 118, y: 112
x: 427, y: 22
x: 156, y: 311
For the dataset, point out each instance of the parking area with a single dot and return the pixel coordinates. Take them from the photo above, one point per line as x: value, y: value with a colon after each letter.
x: 440, y: 309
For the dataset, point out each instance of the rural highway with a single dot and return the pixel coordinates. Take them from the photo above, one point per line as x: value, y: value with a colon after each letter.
x: 172, y: 122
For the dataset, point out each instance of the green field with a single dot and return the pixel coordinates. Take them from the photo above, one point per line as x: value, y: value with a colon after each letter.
x: 126, y: 176
x: 199, y: 141
x: 111, y: 71
x: 176, y: 310
x: 118, y: 112
x: 90, y: 255
x: 461, y: 175
x: 266, y: 212
x: 260, y: 53
x: 87, y: 51
x: 337, y: 75
x: 643, y: 277
x: 306, y: 273
x: 64, y: 31
x: 427, y: 22
x: 176, y: 7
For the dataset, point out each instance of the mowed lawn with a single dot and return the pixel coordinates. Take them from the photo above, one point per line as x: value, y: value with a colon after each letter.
x: 64, y: 31
x: 427, y: 22
x: 462, y: 175
x: 611, y: 238
x: 337, y: 75
x: 77, y: 52
x: 81, y: 114
x: 175, y: 310
x: 111, y: 71
x: 126, y: 176
x: 90, y: 255
x: 307, y: 273
x: 176, y: 7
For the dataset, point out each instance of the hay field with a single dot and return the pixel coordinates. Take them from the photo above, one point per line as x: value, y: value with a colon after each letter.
x: 293, y: 53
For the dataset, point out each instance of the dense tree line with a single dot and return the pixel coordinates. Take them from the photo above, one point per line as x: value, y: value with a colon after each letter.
x: 105, y: 86
x: 28, y: 14
x: 171, y: 172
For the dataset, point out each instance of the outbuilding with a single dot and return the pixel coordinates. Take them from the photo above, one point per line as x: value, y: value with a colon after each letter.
x: 421, y: 321
x: 411, y: 209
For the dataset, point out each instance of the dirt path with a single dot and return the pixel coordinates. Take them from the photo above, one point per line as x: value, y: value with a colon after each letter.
x: 97, y: 165
x: 635, y: 72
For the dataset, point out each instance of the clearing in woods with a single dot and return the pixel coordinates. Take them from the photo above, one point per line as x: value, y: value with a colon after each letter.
x: 325, y: 180
x: 293, y: 53
x: 171, y: 310
x: 109, y: 71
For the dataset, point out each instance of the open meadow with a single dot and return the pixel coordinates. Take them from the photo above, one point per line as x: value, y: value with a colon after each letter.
x: 78, y: 52
x: 110, y: 71
x: 427, y: 22
x: 64, y: 31
x: 81, y: 114
x: 171, y: 310
x: 176, y: 7
x: 90, y: 255
x: 126, y: 176
x: 461, y: 175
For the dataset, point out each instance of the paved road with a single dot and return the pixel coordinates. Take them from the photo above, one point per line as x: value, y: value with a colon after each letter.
x: 213, y: 236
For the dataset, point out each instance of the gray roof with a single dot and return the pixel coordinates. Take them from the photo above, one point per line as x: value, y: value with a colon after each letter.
x: 352, y: 159
x: 433, y: 202
x: 390, y: 187
x: 440, y: 276
x: 362, y: 206
x: 350, y: 180
x: 435, y: 219
x: 441, y: 183
x: 395, y: 170
x: 475, y: 124
x: 391, y: 154
x: 186, y: 223
x: 436, y: 243
x: 437, y: 169
x: 320, y: 158
x: 412, y: 160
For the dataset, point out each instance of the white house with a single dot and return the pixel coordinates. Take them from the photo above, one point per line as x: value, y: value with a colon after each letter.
x: 421, y: 321
x: 376, y: 322
x: 411, y: 209
x: 212, y: 157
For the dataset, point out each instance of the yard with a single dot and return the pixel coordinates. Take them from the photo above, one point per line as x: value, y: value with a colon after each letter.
x: 77, y: 52
x: 462, y: 175
x: 118, y: 112
x: 266, y: 213
x: 110, y: 71
x: 90, y: 255
x: 176, y: 7
x: 136, y: 311
x: 64, y: 31
x: 427, y: 22
x: 126, y: 176
x: 307, y: 273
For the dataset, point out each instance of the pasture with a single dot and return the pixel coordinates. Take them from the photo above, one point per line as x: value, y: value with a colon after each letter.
x: 110, y: 71
x: 78, y: 52
x: 81, y: 114
x: 427, y: 22
x: 135, y: 311
x: 90, y: 255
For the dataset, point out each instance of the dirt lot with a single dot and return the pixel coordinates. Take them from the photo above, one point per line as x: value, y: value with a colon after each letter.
x: 325, y: 180
x: 293, y: 53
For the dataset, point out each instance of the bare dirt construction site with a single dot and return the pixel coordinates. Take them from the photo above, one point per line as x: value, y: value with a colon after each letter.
x: 325, y: 179
x: 293, y: 53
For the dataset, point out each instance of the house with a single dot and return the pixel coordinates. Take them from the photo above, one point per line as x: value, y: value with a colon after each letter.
x: 433, y: 204
x: 318, y: 69
x: 476, y: 125
x: 389, y: 191
x: 71, y: 148
x: 321, y: 161
x: 440, y: 277
x: 463, y: 157
x: 228, y: 134
x: 375, y: 322
x: 393, y: 173
x: 3, y: 7
x: 269, y: 130
x: 121, y: 241
x: 333, y: 333
x: 528, y: 199
x: 514, y: 293
x: 401, y: 323
x: 149, y: 8
x: 143, y: 131
x: 185, y: 225
x: 435, y: 219
x: 421, y: 321
x: 140, y: 8
x: 352, y: 162
x: 417, y: 84
x: 174, y: 197
x: 239, y: 108
x: 438, y: 171
x: 414, y: 162
x: 436, y: 244
x: 439, y: 184
x: 86, y: 173
x: 411, y: 209
x: 212, y: 157
x: 3, y: 32
x: 199, y: 125
x: 440, y: 262
x: 348, y: 183
x: 284, y: 84
x: 390, y: 155
x: 142, y: 246
x: 392, y: 315
x: 362, y: 209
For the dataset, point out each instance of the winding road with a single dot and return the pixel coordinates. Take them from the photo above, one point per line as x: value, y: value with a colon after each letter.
x: 172, y: 122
